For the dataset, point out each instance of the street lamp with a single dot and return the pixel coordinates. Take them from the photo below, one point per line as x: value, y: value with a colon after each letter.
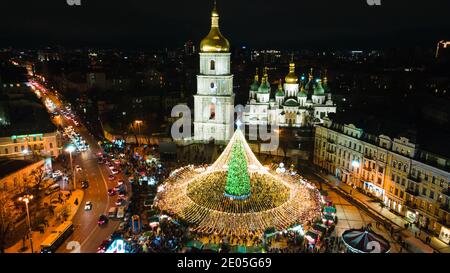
x: 26, y: 199
x: 70, y: 149
x: 355, y: 165
x: 138, y: 124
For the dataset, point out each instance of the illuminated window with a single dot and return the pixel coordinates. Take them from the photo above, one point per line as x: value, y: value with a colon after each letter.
x: 212, y: 111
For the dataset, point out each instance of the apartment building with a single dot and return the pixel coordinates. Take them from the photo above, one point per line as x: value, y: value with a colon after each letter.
x: 410, y: 181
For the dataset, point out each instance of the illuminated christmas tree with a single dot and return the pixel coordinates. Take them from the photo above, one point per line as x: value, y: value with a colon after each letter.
x: 238, y: 179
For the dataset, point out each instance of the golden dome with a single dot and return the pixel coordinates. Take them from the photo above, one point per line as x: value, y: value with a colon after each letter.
x: 215, y: 42
x: 291, y: 77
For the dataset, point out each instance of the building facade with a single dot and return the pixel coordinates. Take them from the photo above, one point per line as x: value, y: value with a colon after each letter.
x: 296, y: 103
x: 27, y: 146
x: 412, y: 182
x: 214, y: 101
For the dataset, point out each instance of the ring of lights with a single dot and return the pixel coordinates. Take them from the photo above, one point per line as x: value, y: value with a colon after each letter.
x: 275, y: 201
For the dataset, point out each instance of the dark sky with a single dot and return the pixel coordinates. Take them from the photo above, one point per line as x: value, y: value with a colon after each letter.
x: 349, y: 24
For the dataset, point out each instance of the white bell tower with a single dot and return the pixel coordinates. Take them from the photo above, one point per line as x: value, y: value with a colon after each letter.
x: 214, y: 101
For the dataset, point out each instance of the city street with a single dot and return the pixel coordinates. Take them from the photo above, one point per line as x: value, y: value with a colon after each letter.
x: 87, y: 232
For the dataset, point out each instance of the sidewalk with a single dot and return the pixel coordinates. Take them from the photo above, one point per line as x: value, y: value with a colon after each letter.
x: 38, y: 237
x: 374, y: 206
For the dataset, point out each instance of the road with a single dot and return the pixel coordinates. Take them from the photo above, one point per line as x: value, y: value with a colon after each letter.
x: 87, y: 232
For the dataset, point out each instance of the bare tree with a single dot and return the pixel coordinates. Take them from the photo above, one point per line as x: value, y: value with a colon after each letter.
x: 9, y: 215
x: 38, y: 179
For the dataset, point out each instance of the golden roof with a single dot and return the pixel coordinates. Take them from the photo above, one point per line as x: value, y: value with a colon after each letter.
x: 291, y: 77
x: 214, y: 42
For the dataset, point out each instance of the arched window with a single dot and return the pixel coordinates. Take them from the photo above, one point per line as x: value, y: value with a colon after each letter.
x: 212, y: 65
x: 212, y: 111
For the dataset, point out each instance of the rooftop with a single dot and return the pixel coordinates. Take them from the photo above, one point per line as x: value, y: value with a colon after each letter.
x: 9, y: 166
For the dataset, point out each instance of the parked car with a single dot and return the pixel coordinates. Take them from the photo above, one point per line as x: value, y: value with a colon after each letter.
x: 120, y: 201
x: 84, y: 184
x: 111, y: 192
x: 111, y: 177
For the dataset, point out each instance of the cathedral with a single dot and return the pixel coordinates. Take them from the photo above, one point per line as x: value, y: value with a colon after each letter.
x: 296, y: 103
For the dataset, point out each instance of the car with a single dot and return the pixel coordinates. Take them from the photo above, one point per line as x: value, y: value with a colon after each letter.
x: 111, y: 192
x: 111, y: 177
x: 120, y: 201
x: 103, y: 246
x: 122, y: 194
x: 102, y: 220
x: 115, y: 171
x: 78, y: 168
x: 57, y: 173
x: 148, y: 203
x: 120, y: 182
x: 84, y: 184
x: 122, y: 226
x: 100, y: 161
x: 88, y: 206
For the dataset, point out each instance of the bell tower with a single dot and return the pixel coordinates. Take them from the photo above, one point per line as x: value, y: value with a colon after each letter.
x: 214, y: 101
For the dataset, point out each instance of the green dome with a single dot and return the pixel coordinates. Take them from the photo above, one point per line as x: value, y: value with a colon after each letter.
x: 319, y: 91
x: 264, y: 87
x: 291, y: 103
x: 302, y: 94
x: 280, y: 92
x: 254, y: 86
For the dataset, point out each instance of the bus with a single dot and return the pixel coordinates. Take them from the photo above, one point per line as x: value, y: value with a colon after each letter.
x: 57, y: 237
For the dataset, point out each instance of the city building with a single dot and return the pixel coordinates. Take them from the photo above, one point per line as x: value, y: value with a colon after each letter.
x: 409, y: 180
x: 15, y: 175
x: 26, y: 130
x: 296, y: 103
x: 443, y: 51
x: 214, y: 101
x: 29, y: 145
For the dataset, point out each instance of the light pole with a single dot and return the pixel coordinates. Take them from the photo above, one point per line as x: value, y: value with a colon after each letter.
x: 26, y: 199
x: 70, y: 149
x: 355, y: 165
x: 138, y: 124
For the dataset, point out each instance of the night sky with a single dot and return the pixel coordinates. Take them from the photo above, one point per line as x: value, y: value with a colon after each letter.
x: 349, y: 24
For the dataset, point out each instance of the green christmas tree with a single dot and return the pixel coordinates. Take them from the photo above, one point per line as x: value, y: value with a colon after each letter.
x: 238, y: 179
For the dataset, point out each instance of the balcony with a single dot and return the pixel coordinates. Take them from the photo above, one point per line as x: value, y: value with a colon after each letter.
x: 368, y: 156
x: 414, y: 179
x: 445, y: 207
x: 331, y: 151
x: 367, y: 168
x: 446, y: 192
x: 410, y: 205
x: 412, y: 192
x: 329, y: 140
